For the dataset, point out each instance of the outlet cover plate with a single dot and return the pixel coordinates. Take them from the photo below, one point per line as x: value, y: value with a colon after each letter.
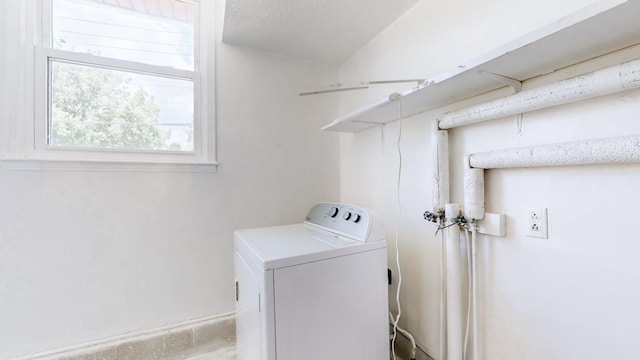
x: 536, y: 222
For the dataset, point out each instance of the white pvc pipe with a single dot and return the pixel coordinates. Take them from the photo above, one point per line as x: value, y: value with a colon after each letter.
x: 625, y: 149
x: 469, y: 292
x: 443, y: 297
x: 474, y: 292
x: 440, y: 161
x: 454, y: 284
x: 622, y: 77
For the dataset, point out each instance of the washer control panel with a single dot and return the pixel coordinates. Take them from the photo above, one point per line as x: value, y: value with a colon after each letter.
x: 342, y: 219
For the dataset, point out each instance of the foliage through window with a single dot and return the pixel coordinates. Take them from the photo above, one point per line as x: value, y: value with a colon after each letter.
x: 123, y: 75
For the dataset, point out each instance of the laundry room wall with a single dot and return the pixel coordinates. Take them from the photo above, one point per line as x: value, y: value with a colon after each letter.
x: 571, y: 296
x: 87, y: 255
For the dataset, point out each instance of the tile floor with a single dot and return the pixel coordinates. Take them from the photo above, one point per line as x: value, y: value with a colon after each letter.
x: 228, y: 353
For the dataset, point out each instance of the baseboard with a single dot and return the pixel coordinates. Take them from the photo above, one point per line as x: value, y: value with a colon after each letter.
x: 177, y: 341
x: 403, y: 349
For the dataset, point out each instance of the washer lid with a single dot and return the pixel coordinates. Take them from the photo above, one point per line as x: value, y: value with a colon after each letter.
x: 281, y: 246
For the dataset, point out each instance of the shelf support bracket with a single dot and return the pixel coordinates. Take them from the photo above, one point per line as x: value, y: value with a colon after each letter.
x: 394, y: 96
x: 512, y: 83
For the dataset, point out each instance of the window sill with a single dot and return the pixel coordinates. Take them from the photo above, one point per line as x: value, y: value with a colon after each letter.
x: 23, y: 164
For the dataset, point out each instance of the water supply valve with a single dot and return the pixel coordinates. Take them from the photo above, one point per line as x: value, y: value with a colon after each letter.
x: 434, y: 217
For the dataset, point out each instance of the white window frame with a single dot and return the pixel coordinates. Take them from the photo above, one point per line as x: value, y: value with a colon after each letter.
x: 203, y: 156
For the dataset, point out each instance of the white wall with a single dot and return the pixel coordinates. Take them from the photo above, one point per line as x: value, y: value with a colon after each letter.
x: 87, y: 255
x: 572, y: 296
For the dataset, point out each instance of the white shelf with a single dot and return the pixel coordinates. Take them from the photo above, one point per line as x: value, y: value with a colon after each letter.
x: 602, y: 28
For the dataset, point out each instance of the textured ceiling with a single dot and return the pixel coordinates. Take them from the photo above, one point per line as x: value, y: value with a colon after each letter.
x: 325, y: 31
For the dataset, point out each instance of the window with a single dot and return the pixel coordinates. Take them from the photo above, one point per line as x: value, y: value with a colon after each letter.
x: 125, y: 81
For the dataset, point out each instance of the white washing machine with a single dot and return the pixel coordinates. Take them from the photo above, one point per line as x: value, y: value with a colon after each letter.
x: 313, y: 291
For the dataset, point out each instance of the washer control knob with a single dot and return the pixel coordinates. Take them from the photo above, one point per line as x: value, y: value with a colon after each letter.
x: 347, y: 215
x: 333, y: 212
x: 355, y: 218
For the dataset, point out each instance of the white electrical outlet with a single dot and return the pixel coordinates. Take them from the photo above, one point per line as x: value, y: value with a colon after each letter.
x: 536, y: 222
